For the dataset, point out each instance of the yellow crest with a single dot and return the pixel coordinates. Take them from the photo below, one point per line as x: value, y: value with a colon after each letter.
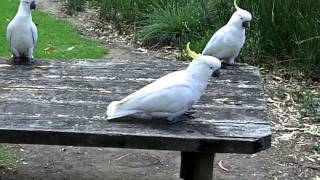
x: 235, y: 4
x: 190, y: 53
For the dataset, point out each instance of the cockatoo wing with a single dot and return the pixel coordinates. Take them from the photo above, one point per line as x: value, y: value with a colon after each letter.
x: 136, y: 101
x: 223, y: 44
x: 9, y: 32
x: 170, y: 100
x: 34, y: 32
x: 215, y: 44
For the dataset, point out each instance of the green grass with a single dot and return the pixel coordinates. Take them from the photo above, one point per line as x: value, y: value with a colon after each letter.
x: 7, y: 157
x: 58, y: 39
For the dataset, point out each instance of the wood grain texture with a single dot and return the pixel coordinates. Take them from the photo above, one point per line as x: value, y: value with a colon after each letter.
x: 64, y: 103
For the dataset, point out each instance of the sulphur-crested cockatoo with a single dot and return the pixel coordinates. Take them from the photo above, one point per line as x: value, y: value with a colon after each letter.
x: 172, y: 95
x: 227, y: 42
x: 22, y: 33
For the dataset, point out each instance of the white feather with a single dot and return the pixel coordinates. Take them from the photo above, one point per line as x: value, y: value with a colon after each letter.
x: 227, y: 42
x: 22, y: 33
x: 169, y: 96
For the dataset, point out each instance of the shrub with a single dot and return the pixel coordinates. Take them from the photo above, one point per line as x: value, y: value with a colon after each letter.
x: 123, y: 11
x: 177, y: 22
x: 74, y: 6
x: 288, y: 31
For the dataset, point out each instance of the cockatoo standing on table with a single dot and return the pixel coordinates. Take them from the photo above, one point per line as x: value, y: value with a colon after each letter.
x: 227, y: 42
x: 22, y: 33
x: 172, y: 95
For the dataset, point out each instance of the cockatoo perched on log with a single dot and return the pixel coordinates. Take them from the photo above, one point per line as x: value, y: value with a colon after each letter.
x: 227, y: 42
x: 22, y: 33
x: 172, y: 95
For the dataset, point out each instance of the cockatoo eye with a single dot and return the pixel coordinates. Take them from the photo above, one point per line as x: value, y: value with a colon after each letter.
x: 241, y: 18
x: 211, y: 67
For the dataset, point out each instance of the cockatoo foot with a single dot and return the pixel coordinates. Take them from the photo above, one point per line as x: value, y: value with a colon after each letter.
x: 225, y: 65
x: 22, y: 61
x: 189, y: 114
x: 15, y: 61
x: 180, y: 118
x: 177, y: 119
x: 29, y: 61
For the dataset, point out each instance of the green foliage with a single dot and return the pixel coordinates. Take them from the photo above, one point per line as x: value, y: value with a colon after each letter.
x: 199, y: 44
x: 58, y: 39
x: 288, y: 31
x: 176, y: 23
x: 282, y: 34
x: 166, y: 22
x: 74, y: 6
x: 179, y: 22
x: 123, y: 11
x: 7, y: 157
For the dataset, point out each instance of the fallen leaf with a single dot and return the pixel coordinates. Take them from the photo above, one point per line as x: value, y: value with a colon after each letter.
x: 71, y: 48
x: 277, y: 78
x: 143, y: 51
x: 271, y: 100
x: 50, y: 48
x: 310, y: 159
x: 222, y: 167
x: 287, y: 136
x: 121, y: 157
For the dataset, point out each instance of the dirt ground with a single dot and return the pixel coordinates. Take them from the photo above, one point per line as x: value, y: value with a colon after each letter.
x: 287, y: 159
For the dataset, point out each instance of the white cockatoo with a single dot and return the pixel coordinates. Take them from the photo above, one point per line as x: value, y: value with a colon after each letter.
x: 22, y: 33
x: 172, y: 95
x: 227, y: 42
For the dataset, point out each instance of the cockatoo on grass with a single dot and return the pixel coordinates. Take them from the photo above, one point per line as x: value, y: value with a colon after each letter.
x: 172, y: 95
x: 227, y: 42
x: 22, y: 33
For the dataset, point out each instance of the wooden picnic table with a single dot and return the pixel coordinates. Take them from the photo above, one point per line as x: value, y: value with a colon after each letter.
x: 65, y: 102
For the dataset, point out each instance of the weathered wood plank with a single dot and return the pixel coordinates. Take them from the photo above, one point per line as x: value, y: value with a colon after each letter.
x: 64, y: 103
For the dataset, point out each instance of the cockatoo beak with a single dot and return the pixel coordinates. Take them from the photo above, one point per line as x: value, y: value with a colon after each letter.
x: 246, y: 24
x: 33, y: 5
x: 216, y: 73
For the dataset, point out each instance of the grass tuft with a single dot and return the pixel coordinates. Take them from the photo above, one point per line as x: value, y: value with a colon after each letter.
x: 7, y: 157
x: 178, y: 22
x: 75, y: 6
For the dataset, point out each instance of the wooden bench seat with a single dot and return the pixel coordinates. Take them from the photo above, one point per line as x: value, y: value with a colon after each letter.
x: 64, y: 103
